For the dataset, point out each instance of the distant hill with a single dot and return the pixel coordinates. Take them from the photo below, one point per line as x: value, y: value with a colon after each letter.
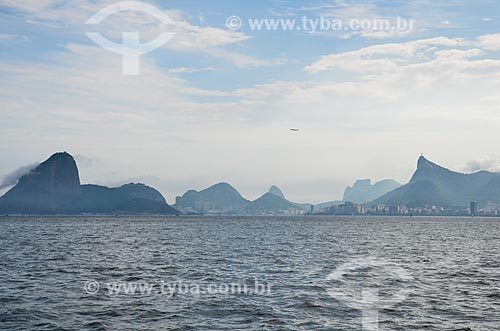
x: 432, y: 184
x: 363, y: 191
x: 219, y: 198
x: 278, y: 192
x: 272, y: 204
x: 129, y: 198
x: 54, y: 187
x: 222, y: 198
x: 323, y: 205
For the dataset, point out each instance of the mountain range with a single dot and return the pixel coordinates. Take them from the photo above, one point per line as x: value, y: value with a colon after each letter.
x: 54, y: 187
x: 222, y: 198
x: 432, y: 184
x: 219, y: 198
x: 363, y: 191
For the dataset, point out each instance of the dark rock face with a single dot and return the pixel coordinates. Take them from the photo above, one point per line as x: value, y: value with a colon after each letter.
x: 54, y: 188
x: 46, y: 189
x: 219, y: 198
x: 432, y: 184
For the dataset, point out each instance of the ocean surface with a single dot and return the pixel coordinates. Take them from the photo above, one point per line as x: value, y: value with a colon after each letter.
x: 58, y: 273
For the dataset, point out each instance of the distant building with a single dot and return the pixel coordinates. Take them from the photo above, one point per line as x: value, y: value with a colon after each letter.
x: 347, y: 208
x: 473, y: 208
x: 393, y: 210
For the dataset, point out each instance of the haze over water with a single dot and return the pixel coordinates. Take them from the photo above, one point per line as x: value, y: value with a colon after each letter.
x: 46, y: 263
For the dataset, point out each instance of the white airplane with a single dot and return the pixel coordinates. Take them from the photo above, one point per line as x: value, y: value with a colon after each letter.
x: 294, y: 129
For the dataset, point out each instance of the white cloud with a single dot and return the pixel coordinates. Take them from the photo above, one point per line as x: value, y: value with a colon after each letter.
x: 376, y: 34
x: 457, y: 54
x: 242, y: 60
x: 194, y: 37
x: 188, y: 37
x: 488, y: 163
x: 382, y: 57
x: 6, y: 36
x: 442, y: 76
x: 11, y: 178
x: 349, y: 12
x: 427, y: 15
x: 55, y: 11
x: 189, y: 70
x: 490, y: 42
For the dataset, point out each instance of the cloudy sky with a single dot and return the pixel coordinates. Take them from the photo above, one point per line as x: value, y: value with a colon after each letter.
x: 216, y: 103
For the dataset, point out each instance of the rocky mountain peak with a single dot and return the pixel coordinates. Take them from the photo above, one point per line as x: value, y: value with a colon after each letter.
x: 49, y: 186
x: 276, y: 191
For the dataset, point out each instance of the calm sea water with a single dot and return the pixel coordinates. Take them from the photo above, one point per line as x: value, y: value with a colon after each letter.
x: 46, y: 264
